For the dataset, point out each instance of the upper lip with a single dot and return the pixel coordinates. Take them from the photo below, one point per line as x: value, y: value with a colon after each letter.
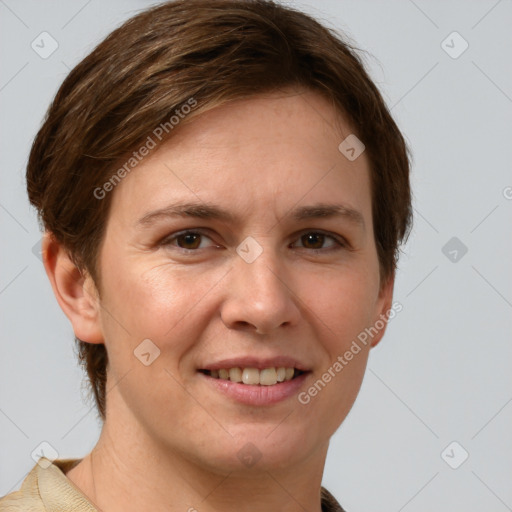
x: 256, y: 362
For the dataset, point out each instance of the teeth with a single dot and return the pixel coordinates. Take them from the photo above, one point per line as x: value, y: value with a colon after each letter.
x: 253, y: 376
x: 235, y: 375
x: 268, y: 377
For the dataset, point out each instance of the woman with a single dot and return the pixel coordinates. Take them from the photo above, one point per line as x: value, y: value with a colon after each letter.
x: 223, y: 193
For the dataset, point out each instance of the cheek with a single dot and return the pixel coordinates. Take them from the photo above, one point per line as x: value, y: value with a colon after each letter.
x: 346, y: 307
x: 342, y: 309
x: 161, y: 302
x: 343, y: 302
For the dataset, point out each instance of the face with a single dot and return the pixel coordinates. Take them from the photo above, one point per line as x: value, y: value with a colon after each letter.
x: 246, y: 241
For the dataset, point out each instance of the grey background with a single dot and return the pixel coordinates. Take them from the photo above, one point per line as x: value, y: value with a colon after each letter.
x: 442, y: 372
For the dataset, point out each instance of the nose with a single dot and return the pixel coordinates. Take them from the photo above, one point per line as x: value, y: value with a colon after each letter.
x: 260, y: 296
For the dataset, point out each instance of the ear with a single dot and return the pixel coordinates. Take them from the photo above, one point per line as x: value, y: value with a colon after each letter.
x: 75, y: 293
x: 383, y: 309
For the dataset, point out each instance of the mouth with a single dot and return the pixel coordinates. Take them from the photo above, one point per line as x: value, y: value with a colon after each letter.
x: 251, y: 376
x: 256, y: 381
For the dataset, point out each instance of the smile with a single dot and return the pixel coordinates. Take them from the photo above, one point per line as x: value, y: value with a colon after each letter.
x: 254, y: 376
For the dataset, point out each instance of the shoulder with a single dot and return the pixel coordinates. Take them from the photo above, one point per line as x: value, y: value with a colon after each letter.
x: 27, y: 499
x: 46, y: 489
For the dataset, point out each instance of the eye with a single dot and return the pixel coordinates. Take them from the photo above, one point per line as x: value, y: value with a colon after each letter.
x: 193, y: 240
x: 187, y: 240
x: 315, y: 240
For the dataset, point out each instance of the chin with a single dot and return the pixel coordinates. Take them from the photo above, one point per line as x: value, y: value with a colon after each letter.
x: 267, y: 447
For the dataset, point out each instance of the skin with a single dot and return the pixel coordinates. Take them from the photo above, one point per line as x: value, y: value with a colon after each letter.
x: 168, y: 434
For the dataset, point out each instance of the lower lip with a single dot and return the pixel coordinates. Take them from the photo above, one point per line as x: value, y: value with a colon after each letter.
x: 258, y: 395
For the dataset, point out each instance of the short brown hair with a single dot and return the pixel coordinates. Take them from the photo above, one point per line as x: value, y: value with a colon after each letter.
x: 213, y: 51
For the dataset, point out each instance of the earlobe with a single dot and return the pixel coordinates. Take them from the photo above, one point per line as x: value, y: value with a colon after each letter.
x: 384, y: 306
x: 75, y: 293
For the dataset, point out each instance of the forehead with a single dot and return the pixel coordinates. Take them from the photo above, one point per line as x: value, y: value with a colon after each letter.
x: 272, y: 151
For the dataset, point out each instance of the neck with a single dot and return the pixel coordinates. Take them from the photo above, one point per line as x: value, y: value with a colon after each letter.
x: 166, y: 480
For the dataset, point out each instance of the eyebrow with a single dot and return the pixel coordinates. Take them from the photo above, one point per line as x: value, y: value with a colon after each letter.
x: 214, y: 212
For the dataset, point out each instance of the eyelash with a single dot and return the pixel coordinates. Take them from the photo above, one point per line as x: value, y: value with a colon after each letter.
x: 340, y: 242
